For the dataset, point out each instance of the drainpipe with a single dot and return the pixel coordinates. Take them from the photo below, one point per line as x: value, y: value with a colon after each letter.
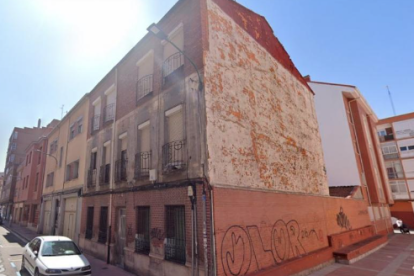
x: 362, y: 164
x: 205, y: 231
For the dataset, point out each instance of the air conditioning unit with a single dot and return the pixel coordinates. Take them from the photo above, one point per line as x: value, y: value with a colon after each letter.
x: 153, y: 175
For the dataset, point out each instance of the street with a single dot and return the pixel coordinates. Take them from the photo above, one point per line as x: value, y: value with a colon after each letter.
x: 11, y: 248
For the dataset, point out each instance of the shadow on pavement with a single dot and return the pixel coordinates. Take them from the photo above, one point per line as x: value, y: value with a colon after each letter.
x: 11, y: 238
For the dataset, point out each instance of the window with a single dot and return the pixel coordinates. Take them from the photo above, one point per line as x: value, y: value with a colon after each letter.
x: 403, y: 148
x: 39, y: 156
x: 389, y: 151
x: 175, y: 234
x: 94, y: 156
x: 105, y: 169
x: 49, y: 179
x: 121, y: 164
x: 36, y: 181
x: 72, y: 171
x: 96, y: 118
x: 142, y: 237
x: 103, y: 223
x: 27, y: 181
x: 11, y: 158
x: 89, y: 223
x: 145, y: 75
x: 61, y: 157
x: 92, y: 169
x: 398, y: 186
x: 15, y: 135
x: 173, y: 59
x: 394, y: 170
x: 72, y: 132
x: 174, y: 150
x: 143, y: 157
x: 410, y: 147
x: 53, y: 147
x: 13, y: 146
x: 386, y: 134
x: 80, y: 125
x: 109, y: 109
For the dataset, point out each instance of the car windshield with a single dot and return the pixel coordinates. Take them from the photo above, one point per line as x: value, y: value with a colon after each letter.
x: 59, y: 248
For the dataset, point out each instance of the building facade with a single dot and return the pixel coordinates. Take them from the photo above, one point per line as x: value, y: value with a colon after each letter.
x: 352, y: 149
x: 65, y: 174
x: 207, y: 175
x: 397, y: 144
x: 20, y: 139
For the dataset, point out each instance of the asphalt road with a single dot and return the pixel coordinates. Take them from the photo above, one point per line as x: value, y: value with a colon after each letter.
x: 11, y: 249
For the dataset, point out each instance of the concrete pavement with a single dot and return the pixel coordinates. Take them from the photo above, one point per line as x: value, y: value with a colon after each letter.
x: 21, y: 235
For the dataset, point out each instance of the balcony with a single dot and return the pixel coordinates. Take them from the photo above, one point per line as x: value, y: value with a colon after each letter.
x: 121, y: 170
x: 104, y: 174
x: 390, y: 156
x: 144, y: 86
x: 386, y: 138
x: 109, y: 113
x: 91, y: 178
x: 171, y: 64
x: 142, y: 164
x: 173, y: 156
x: 95, y: 123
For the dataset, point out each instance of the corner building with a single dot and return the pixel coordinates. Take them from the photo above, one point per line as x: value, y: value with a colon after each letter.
x: 182, y: 180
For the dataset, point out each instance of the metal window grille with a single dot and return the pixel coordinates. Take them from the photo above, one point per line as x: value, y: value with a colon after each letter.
x: 171, y: 64
x: 142, y: 164
x: 144, y: 86
x: 104, y: 172
x: 89, y: 223
x: 103, y: 223
x: 95, y: 123
x: 142, y: 237
x: 91, y: 178
x: 175, y: 234
x: 109, y: 112
x: 173, y: 156
x: 121, y: 169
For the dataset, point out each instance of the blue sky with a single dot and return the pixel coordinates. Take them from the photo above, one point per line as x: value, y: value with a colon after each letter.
x: 54, y: 51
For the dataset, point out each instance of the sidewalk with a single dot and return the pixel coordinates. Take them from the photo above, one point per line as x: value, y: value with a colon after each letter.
x: 98, y: 267
x: 396, y: 258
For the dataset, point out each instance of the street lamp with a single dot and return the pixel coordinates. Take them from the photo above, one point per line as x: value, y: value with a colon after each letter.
x: 48, y: 155
x: 156, y: 31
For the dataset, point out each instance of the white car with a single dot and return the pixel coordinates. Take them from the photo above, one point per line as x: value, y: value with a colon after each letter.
x: 54, y: 255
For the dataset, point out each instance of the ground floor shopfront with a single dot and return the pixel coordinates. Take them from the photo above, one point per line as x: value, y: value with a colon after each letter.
x: 26, y: 214
x: 404, y: 210
x: 60, y: 214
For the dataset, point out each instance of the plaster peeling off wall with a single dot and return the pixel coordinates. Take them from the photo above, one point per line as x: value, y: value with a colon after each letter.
x: 262, y: 130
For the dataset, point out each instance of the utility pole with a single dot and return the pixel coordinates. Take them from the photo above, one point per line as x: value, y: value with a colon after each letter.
x: 392, y: 102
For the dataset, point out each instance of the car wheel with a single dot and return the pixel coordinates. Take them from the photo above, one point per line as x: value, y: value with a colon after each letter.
x: 36, y: 272
x: 23, y: 264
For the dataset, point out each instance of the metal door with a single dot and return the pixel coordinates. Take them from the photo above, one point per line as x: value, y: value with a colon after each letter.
x: 121, y: 236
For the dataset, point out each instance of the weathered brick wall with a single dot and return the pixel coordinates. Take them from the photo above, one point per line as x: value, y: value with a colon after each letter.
x: 262, y: 130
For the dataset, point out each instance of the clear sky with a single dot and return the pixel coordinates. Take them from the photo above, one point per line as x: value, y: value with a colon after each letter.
x: 54, y: 51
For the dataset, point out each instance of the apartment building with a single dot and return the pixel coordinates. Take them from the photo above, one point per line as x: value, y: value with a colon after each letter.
x: 397, y: 144
x: 352, y: 149
x: 30, y: 175
x: 19, y: 140
x: 203, y: 152
x: 65, y: 173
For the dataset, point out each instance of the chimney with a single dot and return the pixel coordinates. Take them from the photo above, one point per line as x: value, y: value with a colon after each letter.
x: 39, y: 123
x: 307, y: 78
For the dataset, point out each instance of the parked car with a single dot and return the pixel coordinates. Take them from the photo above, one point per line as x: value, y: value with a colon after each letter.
x: 54, y: 255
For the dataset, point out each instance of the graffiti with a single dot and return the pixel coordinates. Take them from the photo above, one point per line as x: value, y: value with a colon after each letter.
x: 157, y: 233
x: 342, y: 220
x: 241, y: 247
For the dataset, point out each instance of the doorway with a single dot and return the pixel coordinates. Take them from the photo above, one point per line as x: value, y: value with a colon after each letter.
x: 121, y: 242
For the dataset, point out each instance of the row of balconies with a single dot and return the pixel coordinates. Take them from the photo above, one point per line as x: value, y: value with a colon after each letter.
x: 144, y: 87
x: 173, y: 159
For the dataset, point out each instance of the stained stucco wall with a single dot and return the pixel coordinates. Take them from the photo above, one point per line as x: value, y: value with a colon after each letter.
x: 262, y: 130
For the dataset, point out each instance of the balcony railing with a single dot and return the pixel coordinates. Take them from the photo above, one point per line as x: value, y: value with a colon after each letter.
x: 91, y: 178
x: 121, y: 170
x: 388, y: 137
x: 171, y: 64
x: 173, y: 156
x: 109, y: 112
x: 95, y: 123
x: 104, y: 174
x: 142, y: 164
x: 390, y: 156
x: 144, y: 86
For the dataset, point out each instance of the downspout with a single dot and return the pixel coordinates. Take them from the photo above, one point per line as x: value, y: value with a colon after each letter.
x: 111, y: 180
x: 205, y: 230
x: 362, y: 164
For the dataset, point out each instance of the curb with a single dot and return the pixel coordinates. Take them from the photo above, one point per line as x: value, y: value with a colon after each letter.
x: 20, y: 236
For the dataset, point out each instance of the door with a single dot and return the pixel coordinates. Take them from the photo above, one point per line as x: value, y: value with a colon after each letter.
x: 69, y: 222
x: 46, y: 219
x: 56, y: 219
x: 121, y: 236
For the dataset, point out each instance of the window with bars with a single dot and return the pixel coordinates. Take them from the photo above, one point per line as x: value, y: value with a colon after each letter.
x: 143, y: 157
x: 173, y: 152
x: 389, y: 152
x: 142, y: 237
x: 175, y: 234
x: 89, y: 223
x: 91, y: 181
x: 103, y: 225
x: 122, y: 163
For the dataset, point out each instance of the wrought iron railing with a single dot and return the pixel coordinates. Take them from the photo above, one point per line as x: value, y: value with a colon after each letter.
x: 95, y: 122
x: 173, y: 156
x: 109, y: 112
x: 142, y: 237
x: 91, y: 178
x: 144, y: 86
x: 142, y: 164
x: 104, y: 174
x: 121, y: 170
x: 175, y: 234
x: 142, y: 244
x: 171, y: 64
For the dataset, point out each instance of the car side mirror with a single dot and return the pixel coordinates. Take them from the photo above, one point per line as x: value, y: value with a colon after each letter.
x: 35, y: 253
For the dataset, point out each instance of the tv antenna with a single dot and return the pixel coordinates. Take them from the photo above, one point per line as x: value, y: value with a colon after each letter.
x: 392, y: 102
